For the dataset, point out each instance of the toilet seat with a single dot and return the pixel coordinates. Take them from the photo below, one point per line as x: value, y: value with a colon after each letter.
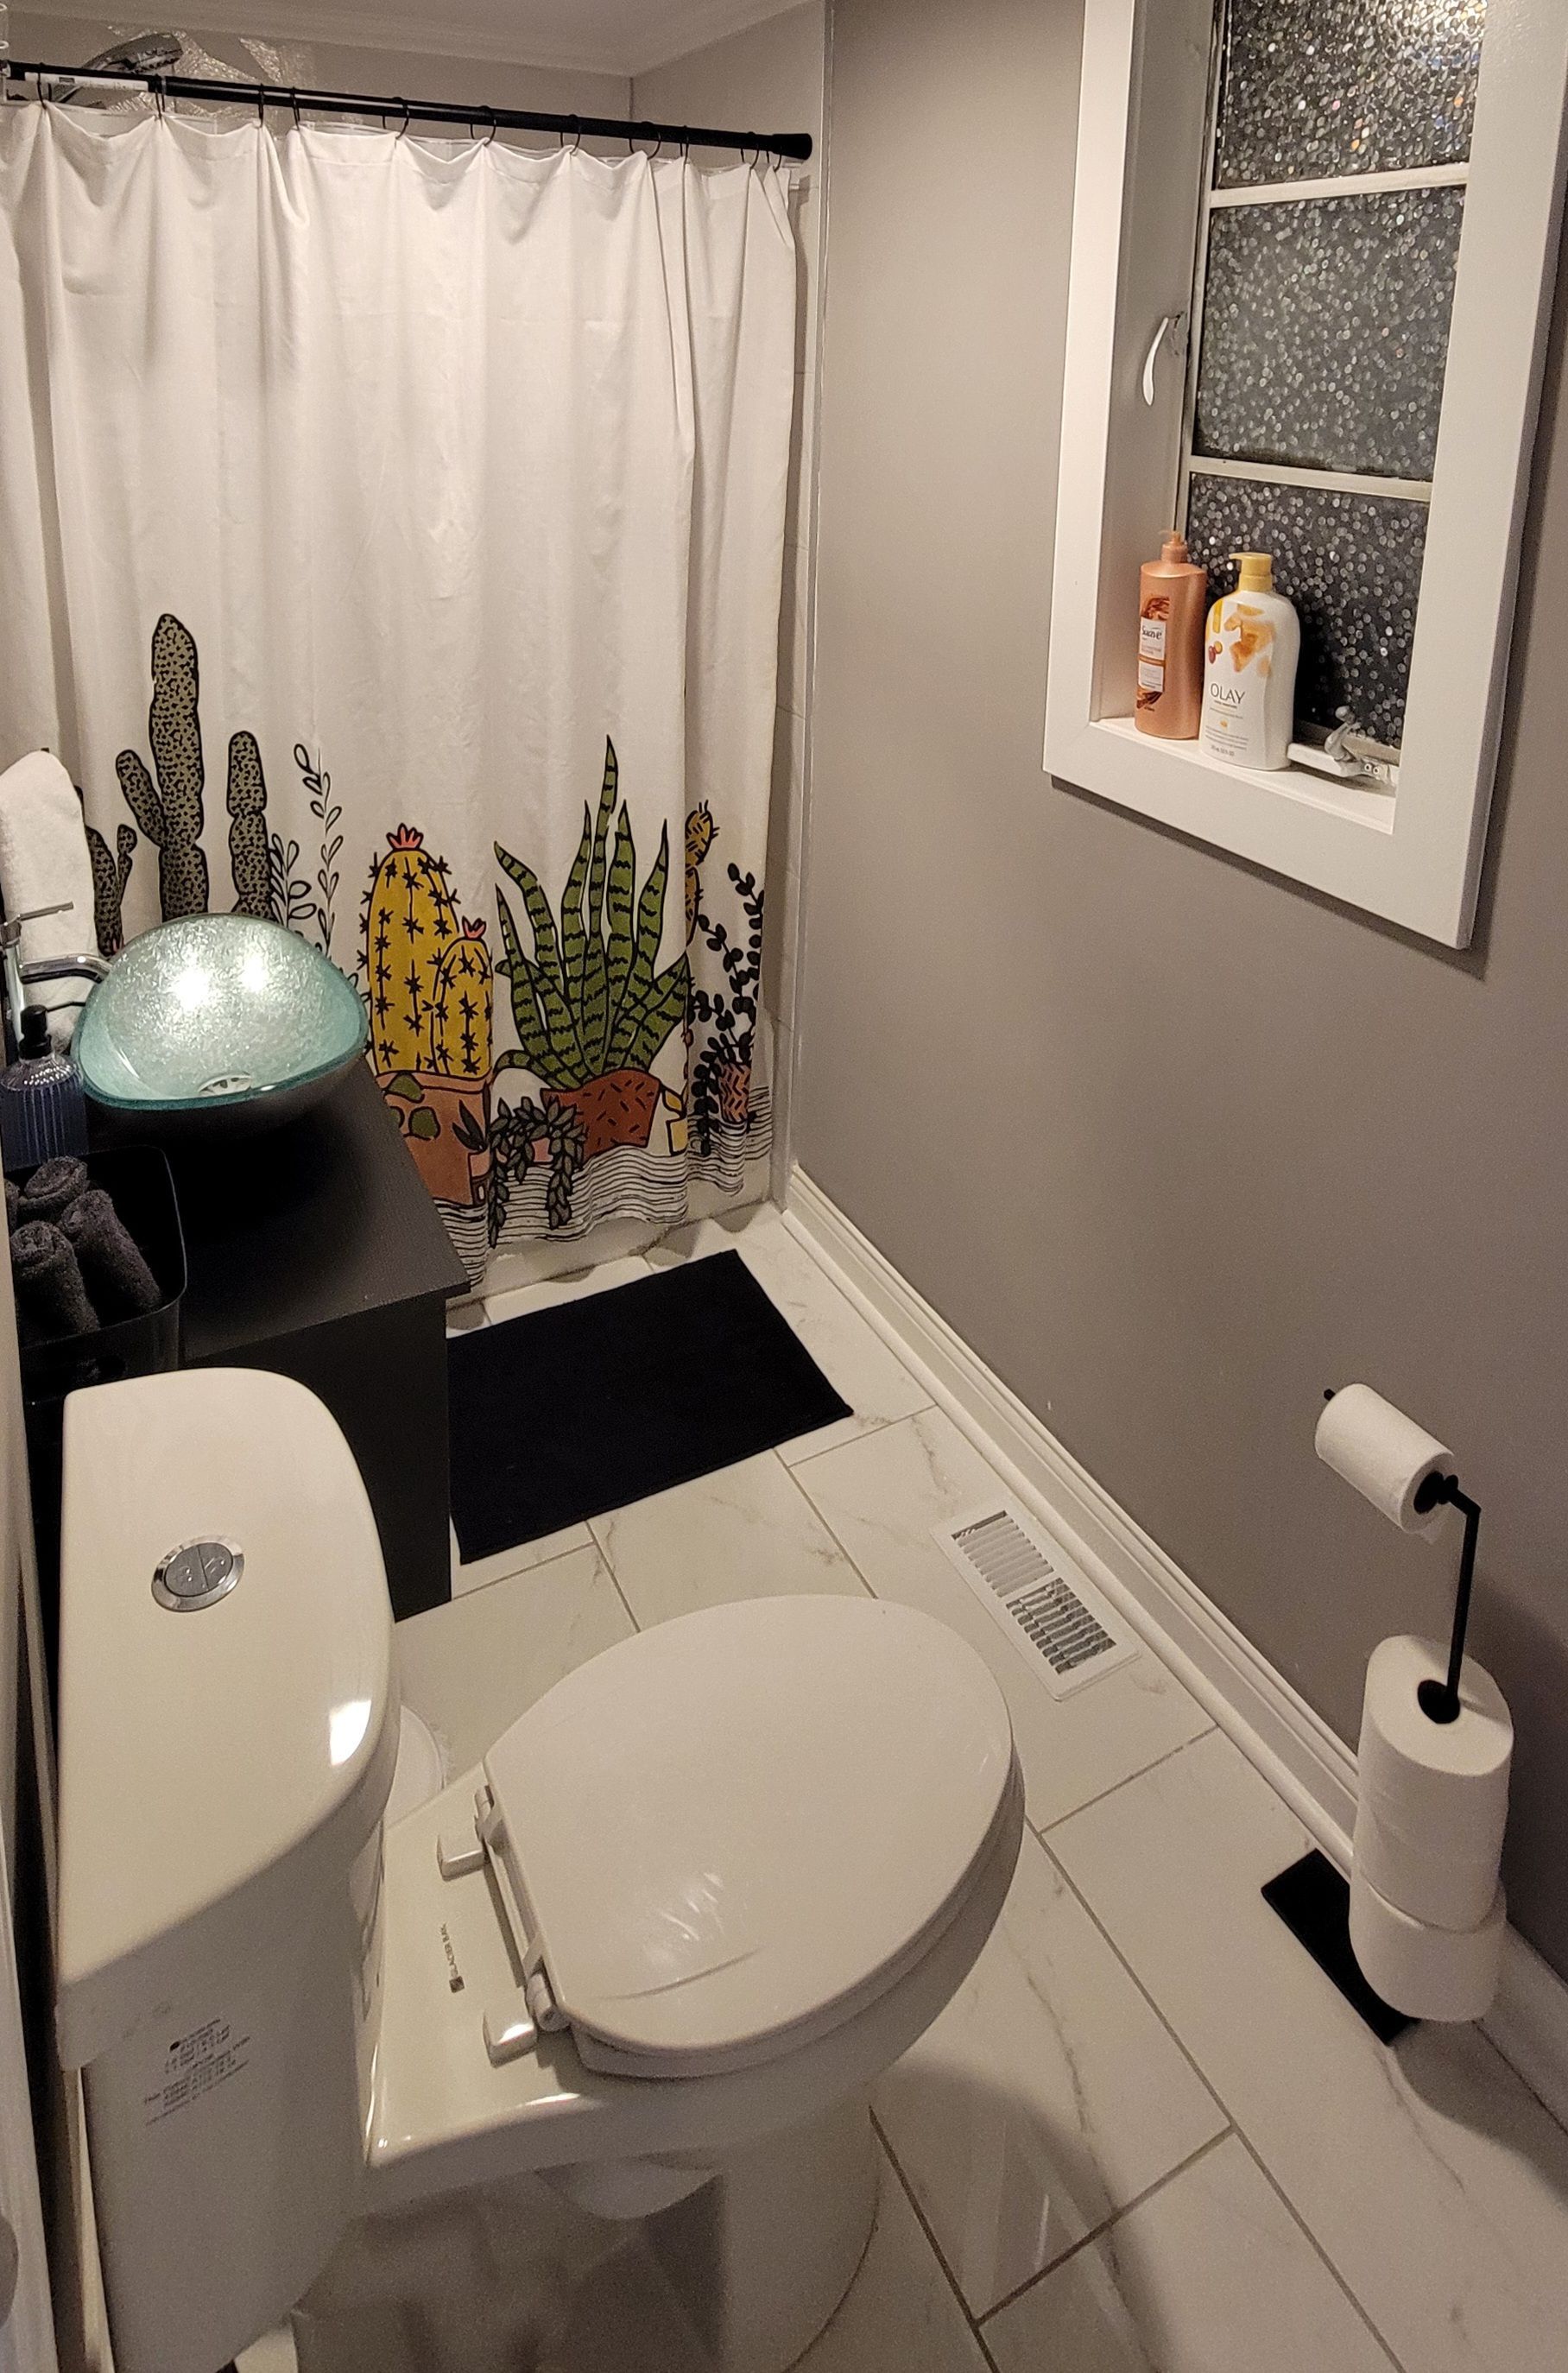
x: 725, y: 1836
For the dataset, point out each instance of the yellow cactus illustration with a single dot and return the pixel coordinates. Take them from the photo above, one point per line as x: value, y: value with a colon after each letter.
x: 429, y: 987
x: 461, y: 1013
x: 410, y: 923
x: 700, y: 831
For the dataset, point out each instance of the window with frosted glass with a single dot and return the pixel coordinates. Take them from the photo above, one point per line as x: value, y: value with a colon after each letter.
x: 1327, y: 259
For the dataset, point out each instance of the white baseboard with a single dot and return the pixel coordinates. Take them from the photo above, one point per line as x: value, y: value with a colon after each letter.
x: 1291, y: 1745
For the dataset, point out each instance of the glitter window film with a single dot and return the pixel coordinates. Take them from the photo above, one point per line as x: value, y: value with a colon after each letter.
x: 1325, y: 332
x: 1351, y: 563
x: 1315, y: 89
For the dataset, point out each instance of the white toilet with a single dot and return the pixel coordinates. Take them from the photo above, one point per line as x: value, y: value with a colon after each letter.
x: 654, y: 1949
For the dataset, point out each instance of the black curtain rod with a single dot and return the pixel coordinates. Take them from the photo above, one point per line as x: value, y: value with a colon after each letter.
x: 796, y: 146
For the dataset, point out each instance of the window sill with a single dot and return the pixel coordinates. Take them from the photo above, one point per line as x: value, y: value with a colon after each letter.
x: 1350, y: 842
x: 1360, y: 803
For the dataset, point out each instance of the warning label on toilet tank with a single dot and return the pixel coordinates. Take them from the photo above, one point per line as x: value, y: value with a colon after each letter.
x: 194, y: 2065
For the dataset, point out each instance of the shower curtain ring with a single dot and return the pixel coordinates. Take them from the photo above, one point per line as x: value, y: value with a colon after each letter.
x: 495, y: 125
x: 155, y: 87
x: 294, y: 103
x: 402, y: 127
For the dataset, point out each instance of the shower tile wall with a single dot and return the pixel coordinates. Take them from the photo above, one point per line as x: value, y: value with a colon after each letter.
x: 1318, y: 88
x: 1325, y: 323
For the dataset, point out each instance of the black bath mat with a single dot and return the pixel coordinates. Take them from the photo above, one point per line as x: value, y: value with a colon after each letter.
x: 588, y: 1405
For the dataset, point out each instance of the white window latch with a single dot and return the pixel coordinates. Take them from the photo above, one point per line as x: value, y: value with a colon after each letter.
x: 1174, y: 326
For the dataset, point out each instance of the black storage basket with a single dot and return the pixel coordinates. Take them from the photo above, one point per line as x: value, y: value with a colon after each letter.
x: 138, y: 1180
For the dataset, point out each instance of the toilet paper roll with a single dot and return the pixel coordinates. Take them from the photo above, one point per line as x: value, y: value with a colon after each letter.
x: 1429, y: 1882
x: 1433, y: 1796
x: 1385, y: 1454
x: 1426, y: 1972
x: 1448, y: 1779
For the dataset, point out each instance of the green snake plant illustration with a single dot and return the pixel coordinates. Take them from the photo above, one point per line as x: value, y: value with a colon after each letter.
x: 590, y: 1000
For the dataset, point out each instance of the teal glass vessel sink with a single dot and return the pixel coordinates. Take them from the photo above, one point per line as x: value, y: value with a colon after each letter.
x: 217, y: 1022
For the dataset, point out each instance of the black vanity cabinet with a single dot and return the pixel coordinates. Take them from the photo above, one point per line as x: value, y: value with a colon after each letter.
x: 315, y: 1251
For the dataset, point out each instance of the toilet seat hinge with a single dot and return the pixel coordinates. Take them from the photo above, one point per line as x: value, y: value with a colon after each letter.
x: 542, y: 2002
x: 460, y: 1853
x: 508, y: 2030
x: 490, y: 1827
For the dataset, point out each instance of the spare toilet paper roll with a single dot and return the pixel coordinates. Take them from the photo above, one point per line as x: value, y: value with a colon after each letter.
x: 1426, y: 1972
x: 1432, y: 1884
x: 1433, y: 1796
x: 1385, y: 1454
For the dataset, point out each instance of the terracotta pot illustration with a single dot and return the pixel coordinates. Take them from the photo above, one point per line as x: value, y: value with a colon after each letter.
x: 455, y: 1169
x: 615, y: 1109
x: 732, y: 1092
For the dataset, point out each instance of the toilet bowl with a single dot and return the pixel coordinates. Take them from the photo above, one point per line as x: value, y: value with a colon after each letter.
x: 653, y: 1948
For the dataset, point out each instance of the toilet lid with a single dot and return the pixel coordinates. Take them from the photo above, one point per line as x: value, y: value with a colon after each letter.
x: 730, y: 1832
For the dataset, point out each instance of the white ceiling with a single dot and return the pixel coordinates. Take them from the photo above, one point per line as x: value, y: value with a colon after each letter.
x: 618, y: 36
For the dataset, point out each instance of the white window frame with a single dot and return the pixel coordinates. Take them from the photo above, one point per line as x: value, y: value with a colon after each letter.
x: 1412, y: 853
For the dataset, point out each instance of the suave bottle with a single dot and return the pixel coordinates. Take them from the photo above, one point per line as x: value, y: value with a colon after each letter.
x: 1254, y: 642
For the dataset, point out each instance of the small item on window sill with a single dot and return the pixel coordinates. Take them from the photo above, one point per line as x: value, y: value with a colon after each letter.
x: 1250, y: 681
x: 1350, y: 755
x: 1171, y: 594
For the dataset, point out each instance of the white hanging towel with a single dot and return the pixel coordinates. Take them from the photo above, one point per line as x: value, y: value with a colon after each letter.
x: 43, y: 859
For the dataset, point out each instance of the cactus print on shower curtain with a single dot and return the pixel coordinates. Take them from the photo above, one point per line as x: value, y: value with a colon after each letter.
x: 170, y: 816
x: 428, y: 986
x: 592, y: 1010
x: 643, y: 1074
x: 248, y: 826
x: 626, y: 1041
x: 109, y: 877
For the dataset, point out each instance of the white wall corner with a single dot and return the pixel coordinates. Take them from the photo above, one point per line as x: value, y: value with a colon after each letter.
x: 1295, y: 1750
x: 432, y: 35
x: 697, y: 26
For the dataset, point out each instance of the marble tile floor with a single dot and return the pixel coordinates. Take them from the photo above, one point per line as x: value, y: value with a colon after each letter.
x: 1148, y: 2134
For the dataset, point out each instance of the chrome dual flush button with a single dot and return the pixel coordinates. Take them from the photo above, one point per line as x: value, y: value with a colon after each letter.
x: 197, y: 1575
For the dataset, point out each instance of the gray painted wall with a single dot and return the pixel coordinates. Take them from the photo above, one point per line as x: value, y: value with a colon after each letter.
x: 1173, y: 1144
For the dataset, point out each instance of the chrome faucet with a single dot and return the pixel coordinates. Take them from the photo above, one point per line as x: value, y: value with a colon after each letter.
x: 19, y: 975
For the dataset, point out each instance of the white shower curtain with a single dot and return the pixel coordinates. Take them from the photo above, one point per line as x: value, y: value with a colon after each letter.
x: 391, y: 539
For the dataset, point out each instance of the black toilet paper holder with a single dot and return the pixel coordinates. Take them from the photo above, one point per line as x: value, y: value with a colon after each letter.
x: 1439, y: 1700
x: 1311, y: 1897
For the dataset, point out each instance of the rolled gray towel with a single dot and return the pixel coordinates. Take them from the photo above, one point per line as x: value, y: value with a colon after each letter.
x: 117, y: 1276
x: 51, y: 1297
x: 53, y: 1188
x: 13, y: 1202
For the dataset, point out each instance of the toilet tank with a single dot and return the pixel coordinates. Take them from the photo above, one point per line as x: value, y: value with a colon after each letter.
x: 227, y: 1729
